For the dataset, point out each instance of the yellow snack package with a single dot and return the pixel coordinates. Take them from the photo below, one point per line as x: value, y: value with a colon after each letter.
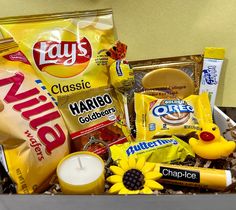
x: 66, y: 50
x: 94, y: 113
x: 160, y: 150
x: 178, y: 75
x: 121, y: 74
x: 170, y: 116
x: 33, y: 135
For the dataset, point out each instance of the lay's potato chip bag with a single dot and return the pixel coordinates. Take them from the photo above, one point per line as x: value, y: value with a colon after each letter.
x: 32, y: 132
x: 67, y: 50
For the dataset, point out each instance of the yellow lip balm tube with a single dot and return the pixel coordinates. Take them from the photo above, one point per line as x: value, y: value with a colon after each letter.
x: 208, y: 178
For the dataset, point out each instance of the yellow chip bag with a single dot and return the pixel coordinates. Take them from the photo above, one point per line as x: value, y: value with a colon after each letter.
x: 160, y: 117
x: 67, y: 50
x: 32, y: 132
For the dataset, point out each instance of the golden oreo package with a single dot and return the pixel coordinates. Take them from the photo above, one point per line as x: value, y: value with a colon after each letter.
x: 94, y: 113
x: 67, y: 50
x: 170, y: 116
x: 32, y: 132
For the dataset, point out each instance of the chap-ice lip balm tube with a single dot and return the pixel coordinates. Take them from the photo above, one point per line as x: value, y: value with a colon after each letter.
x: 208, y: 178
x: 212, y: 65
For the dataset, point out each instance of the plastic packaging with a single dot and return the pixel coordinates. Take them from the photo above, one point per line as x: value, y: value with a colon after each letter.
x: 212, y: 65
x: 160, y: 150
x: 32, y: 131
x: 170, y: 116
x: 66, y: 50
x: 121, y: 74
x: 94, y: 113
x: 191, y: 65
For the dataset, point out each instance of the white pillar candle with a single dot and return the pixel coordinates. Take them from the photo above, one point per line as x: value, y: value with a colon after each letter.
x: 81, y: 173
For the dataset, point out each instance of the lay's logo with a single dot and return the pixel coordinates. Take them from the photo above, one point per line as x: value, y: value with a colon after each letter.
x: 71, y: 56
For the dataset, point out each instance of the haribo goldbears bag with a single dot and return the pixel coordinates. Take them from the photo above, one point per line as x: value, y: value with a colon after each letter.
x: 95, y: 113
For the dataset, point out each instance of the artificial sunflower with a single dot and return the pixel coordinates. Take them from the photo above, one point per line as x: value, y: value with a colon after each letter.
x: 134, y: 177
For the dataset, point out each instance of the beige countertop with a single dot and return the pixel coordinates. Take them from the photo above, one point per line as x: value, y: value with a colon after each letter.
x: 159, y: 28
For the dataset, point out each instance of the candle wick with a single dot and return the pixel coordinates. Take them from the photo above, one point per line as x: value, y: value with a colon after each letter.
x: 80, y: 163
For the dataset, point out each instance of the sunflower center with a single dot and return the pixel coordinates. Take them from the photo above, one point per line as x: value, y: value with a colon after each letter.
x: 133, y: 179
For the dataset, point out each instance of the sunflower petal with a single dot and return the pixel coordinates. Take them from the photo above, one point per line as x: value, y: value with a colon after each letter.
x: 116, y: 187
x: 117, y: 170
x: 140, y: 163
x: 146, y: 190
x: 153, y: 175
x: 132, y: 162
x: 114, y: 179
x: 124, y: 165
x: 153, y: 185
x: 124, y: 191
x: 148, y: 167
x: 134, y: 192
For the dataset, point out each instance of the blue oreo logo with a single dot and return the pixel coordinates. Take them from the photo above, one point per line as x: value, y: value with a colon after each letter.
x: 172, y: 106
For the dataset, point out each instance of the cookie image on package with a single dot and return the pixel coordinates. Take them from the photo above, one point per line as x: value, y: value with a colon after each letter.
x: 175, y: 118
x: 170, y: 78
